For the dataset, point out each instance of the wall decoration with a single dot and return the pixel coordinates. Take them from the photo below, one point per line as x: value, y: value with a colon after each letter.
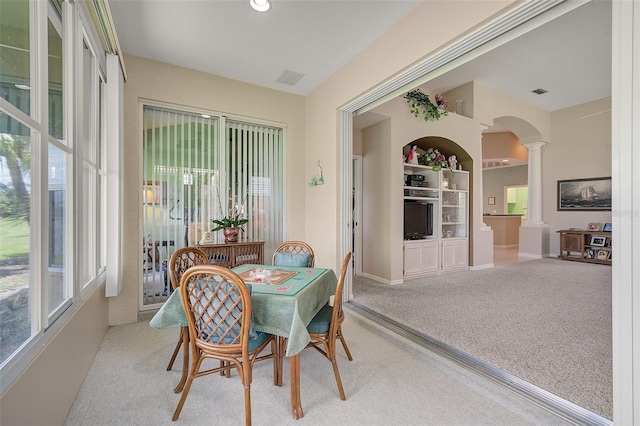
x: 492, y: 201
x: 591, y: 194
x: 419, y: 103
x: 154, y: 193
x: 317, y: 179
x: 594, y: 227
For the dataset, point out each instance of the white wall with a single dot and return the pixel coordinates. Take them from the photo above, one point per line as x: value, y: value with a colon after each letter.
x: 395, y: 50
x: 194, y: 89
x: 44, y: 392
x: 494, y: 181
x: 383, y: 154
x: 580, y: 148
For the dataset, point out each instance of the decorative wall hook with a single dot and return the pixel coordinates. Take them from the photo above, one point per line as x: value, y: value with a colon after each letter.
x: 317, y: 179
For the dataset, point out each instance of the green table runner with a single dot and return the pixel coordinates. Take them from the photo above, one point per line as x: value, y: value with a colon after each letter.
x: 274, y: 312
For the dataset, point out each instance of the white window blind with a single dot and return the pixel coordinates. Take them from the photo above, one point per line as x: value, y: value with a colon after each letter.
x: 190, y: 178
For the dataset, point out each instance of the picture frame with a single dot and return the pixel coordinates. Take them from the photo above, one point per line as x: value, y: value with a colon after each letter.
x: 154, y: 193
x: 594, y: 227
x: 606, y: 227
x: 603, y: 254
x: 492, y: 201
x: 589, y: 254
x: 598, y: 240
x: 589, y: 194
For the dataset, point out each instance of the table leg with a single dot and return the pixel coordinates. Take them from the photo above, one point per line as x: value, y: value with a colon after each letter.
x: 184, y: 332
x: 296, y: 404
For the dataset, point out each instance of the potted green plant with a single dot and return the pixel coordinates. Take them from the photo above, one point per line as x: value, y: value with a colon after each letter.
x: 231, y: 227
x: 420, y: 103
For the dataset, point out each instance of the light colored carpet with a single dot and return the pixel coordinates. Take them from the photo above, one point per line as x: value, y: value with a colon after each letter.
x: 390, y: 381
x: 545, y: 321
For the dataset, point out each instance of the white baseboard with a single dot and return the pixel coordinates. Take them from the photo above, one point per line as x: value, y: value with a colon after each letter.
x: 480, y: 267
x: 381, y: 280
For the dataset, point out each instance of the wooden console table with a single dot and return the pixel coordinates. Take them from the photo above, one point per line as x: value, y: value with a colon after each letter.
x: 585, y: 246
x: 231, y: 255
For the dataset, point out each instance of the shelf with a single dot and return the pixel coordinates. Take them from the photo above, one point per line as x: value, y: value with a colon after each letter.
x: 447, y: 250
x: 422, y: 198
x: 575, y: 245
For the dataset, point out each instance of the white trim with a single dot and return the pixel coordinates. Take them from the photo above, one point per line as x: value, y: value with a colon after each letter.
x: 625, y: 176
x: 358, y: 219
x: 114, y: 152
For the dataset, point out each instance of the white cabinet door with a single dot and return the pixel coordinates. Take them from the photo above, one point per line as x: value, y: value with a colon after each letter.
x: 412, y: 259
x: 454, y: 254
x: 430, y: 256
x: 420, y: 258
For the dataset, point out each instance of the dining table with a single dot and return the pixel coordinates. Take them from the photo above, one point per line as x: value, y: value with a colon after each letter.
x: 284, y: 298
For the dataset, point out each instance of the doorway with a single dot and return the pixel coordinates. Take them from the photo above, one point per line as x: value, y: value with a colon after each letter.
x: 515, y: 200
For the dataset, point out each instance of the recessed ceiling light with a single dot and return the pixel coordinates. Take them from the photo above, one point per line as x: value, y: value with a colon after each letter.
x: 539, y: 91
x: 260, y: 5
x: 505, y: 160
x: 22, y: 86
x: 205, y: 116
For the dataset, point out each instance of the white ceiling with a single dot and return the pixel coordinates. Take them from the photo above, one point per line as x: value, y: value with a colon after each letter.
x: 228, y: 38
x: 569, y: 57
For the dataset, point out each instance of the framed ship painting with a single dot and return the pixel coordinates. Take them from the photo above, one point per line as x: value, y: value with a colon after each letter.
x: 591, y: 194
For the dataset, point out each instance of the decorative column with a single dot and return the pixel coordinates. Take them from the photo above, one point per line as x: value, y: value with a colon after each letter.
x: 534, y: 197
x: 533, y: 231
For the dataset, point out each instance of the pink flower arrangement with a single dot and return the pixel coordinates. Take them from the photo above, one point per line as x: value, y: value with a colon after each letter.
x: 434, y: 158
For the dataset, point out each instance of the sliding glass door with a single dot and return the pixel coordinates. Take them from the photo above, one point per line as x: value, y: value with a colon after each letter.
x: 197, y: 168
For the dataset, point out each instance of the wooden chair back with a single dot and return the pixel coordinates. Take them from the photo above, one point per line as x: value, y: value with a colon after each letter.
x: 337, y: 315
x: 183, y: 259
x: 218, y: 307
x: 295, y: 247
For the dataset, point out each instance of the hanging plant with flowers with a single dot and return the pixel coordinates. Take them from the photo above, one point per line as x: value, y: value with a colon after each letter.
x: 434, y: 158
x: 421, y: 104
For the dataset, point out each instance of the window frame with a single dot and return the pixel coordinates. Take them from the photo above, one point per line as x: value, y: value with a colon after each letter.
x: 73, y: 22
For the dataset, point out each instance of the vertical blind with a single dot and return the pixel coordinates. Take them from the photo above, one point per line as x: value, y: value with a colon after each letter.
x: 198, y: 169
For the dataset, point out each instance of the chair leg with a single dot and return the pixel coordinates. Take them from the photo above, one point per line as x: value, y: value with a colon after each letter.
x: 184, y: 334
x: 247, y: 404
x: 175, y: 352
x: 282, y: 343
x: 275, y: 350
x: 334, y: 363
x: 185, y: 390
x: 344, y: 344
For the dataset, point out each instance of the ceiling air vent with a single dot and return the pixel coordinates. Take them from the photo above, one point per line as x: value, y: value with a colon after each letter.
x: 290, y: 77
x: 539, y: 91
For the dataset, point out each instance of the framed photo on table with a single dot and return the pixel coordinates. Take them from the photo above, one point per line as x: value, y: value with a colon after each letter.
x: 594, y: 227
x: 598, y: 240
x: 603, y: 254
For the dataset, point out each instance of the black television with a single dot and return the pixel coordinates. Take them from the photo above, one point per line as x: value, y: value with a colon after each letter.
x: 418, y: 220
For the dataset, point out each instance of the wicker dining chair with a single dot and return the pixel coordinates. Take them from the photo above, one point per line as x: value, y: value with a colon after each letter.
x: 294, y: 248
x: 181, y: 260
x: 219, y: 311
x: 326, y: 327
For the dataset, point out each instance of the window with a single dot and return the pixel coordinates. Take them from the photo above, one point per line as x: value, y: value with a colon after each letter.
x: 41, y: 144
x: 198, y: 169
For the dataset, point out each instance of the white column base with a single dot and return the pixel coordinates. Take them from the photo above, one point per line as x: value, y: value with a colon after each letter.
x: 533, y: 240
x: 482, y: 249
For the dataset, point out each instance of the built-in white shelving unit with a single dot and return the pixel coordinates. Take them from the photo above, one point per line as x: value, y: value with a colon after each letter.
x: 447, y: 249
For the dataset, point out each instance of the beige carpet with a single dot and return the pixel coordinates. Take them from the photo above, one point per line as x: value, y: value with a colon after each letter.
x: 545, y: 321
x: 390, y: 381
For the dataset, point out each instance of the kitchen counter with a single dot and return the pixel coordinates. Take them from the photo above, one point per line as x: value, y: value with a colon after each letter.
x: 506, y: 229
